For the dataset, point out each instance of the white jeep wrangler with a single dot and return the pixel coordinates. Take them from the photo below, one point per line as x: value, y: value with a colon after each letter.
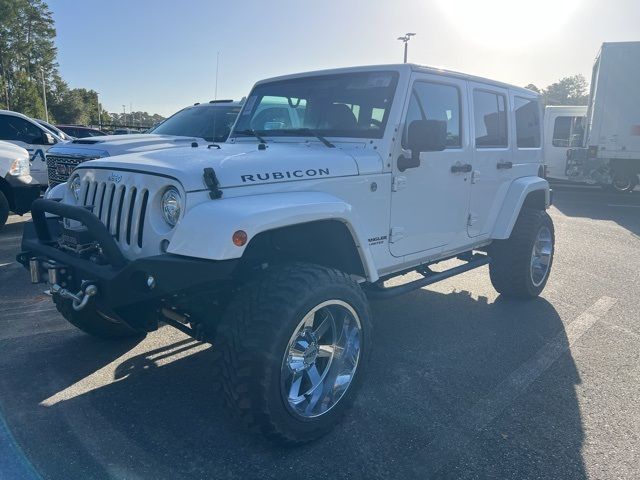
x: 268, y: 245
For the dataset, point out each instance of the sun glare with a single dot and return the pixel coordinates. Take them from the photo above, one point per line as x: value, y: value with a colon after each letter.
x: 508, y: 24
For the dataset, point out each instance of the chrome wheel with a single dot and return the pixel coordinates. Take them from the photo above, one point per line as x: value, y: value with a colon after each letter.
x: 321, y: 359
x: 541, y: 256
x: 622, y: 184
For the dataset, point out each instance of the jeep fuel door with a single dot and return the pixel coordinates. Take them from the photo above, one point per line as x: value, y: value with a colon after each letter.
x: 429, y: 203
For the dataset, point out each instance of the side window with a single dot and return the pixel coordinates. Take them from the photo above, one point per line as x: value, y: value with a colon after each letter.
x: 18, y: 129
x: 527, y: 123
x: 6, y: 132
x: 490, y: 119
x: 568, y: 131
x: 434, y: 101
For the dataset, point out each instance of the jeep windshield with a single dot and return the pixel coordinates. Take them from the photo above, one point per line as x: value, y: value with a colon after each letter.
x: 341, y: 105
x: 213, y: 123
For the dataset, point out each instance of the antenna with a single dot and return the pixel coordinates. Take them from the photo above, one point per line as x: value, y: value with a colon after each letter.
x: 215, y: 97
x: 215, y: 94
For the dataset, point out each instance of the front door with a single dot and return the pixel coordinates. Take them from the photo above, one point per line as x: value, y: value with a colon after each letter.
x: 429, y: 203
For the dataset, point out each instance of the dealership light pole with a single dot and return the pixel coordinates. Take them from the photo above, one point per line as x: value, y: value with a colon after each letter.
x: 44, y: 96
x: 99, y: 110
x: 405, y: 39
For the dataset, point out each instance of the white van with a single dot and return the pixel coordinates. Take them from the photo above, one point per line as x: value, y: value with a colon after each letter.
x: 30, y: 135
x: 564, y: 128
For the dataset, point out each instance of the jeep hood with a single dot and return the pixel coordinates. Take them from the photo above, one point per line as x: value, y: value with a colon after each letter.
x: 111, y: 145
x: 244, y: 164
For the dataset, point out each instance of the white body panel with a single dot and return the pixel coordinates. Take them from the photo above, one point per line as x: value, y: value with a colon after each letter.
x: 563, y: 129
x: 614, y: 110
x: 296, y: 180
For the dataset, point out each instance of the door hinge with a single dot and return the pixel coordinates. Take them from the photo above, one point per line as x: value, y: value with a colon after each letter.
x: 472, y: 219
x: 396, y: 234
x: 475, y: 176
x: 399, y: 182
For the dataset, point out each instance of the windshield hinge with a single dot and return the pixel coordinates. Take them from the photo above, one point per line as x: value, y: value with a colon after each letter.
x: 211, y: 181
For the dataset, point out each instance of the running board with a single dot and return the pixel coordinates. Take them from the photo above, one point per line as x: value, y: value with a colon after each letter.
x: 375, y: 290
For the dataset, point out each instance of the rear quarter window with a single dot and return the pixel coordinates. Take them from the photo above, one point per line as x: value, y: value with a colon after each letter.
x: 527, y: 113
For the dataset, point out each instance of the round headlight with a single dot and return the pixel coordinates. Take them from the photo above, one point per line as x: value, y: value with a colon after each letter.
x: 171, y: 206
x: 75, y: 186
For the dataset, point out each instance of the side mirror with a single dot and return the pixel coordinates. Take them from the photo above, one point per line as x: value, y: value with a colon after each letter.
x: 48, y: 139
x: 423, y: 136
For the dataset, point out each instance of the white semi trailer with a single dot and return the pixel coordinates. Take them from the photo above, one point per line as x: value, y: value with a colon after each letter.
x: 610, y: 153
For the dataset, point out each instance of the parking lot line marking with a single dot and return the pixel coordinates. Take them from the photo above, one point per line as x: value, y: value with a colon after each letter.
x: 484, y: 412
x: 95, y: 380
x: 625, y: 206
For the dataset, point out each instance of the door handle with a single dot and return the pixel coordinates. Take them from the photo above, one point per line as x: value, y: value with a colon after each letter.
x: 466, y: 168
x: 504, y: 165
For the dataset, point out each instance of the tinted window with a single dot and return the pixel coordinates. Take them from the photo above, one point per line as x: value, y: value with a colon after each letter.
x: 432, y: 101
x: 490, y: 118
x: 344, y: 105
x: 213, y: 123
x: 568, y: 131
x: 527, y: 123
x: 18, y: 129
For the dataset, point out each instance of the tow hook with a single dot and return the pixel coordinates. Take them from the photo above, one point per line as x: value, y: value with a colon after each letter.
x: 80, y: 299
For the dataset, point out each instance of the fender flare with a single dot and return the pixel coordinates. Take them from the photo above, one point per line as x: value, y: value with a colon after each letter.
x: 513, y: 201
x: 206, y: 230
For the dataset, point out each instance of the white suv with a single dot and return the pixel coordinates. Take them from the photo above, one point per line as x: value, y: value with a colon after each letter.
x: 268, y: 246
x: 27, y: 133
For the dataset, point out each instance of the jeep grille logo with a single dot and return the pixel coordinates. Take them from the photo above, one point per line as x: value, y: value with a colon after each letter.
x: 114, y: 177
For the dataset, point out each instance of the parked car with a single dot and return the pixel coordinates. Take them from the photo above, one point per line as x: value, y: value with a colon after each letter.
x: 124, y: 131
x: 270, y: 244
x: 79, y: 131
x: 201, y: 123
x: 610, y: 153
x: 29, y: 134
x: 564, y: 128
x: 54, y: 129
x: 18, y: 189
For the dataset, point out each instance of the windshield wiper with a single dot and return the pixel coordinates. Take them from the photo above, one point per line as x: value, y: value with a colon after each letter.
x: 251, y: 132
x: 313, y: 133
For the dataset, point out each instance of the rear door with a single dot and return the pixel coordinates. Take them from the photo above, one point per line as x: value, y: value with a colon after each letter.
x: 492, y: 155
x: 429, y: 203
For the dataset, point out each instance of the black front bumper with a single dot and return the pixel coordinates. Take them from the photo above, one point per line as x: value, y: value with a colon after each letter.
x: 21, y: 194
x: 122, y: 284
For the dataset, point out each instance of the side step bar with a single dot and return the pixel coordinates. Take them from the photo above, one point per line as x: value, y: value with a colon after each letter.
x: 376, y: 290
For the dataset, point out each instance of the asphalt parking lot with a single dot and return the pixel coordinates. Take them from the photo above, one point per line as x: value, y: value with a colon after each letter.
x: 462, y: 384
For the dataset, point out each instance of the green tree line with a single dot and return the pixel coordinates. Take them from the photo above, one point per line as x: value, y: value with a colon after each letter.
x: 573, y: 90
x: 28, y: 61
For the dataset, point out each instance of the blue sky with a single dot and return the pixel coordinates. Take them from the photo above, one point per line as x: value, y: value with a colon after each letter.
x: 161, y: 55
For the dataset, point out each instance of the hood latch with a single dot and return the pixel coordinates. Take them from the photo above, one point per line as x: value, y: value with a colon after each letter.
x: 211, y: 181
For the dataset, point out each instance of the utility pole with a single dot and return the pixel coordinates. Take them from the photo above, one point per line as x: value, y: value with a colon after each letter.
x: 99, y: 111
x: 44, y: 96
x: 405, y: 39
x: 5, y: 82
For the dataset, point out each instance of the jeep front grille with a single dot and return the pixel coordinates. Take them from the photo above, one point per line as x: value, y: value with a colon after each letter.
x: 59, y: 167
x: 121, y: 208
